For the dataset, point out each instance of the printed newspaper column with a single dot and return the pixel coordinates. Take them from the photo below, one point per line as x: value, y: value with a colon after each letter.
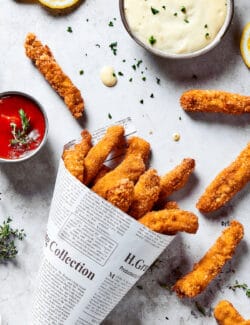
x: 94, y: 253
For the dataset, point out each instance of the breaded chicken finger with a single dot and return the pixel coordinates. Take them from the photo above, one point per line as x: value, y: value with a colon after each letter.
x: 74, y: 157
x: 226, y: 314
x: 212, y: 263
x: 138, y: 146
x: 97, y: 155
x: 227, y: 183
x: 45, y: 62
x: 146, y: 193
x: 102, y: 172
x: 121, y: 195
x: 170, y: 221
x: 131, y: 168
x: 214, y: 101
x: 176, y: 178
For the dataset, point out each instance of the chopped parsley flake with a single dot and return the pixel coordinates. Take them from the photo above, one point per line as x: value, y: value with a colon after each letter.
x: 152, y: 95
x: 183, y: 10
x: 144, y: 78
x: 186, y: 20
x: 152, y: 40
x: 205, y: 26
x: 141, y: 101
x: 158, y: 80
x: 109, y: 116
x: 111, y: 24
x: 120, y: 73
x: 207, y: 35
x: 154, y: 11
x: 98, y: 45
x: 134, y: 66
x: 81, y: 72
x: 69, y: 29
x: 130, y: 80
x: 164, y: 7
x: 113, y: 47
x: 175, y: 14
x: 139, y: 63
x: 123, y: 60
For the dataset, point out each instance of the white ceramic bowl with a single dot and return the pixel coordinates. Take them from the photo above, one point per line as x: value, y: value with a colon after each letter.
x: 210, y: 46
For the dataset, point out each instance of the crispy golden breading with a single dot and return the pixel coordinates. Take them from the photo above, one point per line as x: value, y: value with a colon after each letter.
x: 227, y: 183
x: 212, y: 263
x: 97, y: 155
x: 226, y: 314
x: 214, y: 101
x: 176, y: 178
x: 171, y: 221
x: 121, y: 195
x: 74, y: 157
x: 102, y: 172
x: 171, y: 205
x: 138, y: 146
x: 146, y: 193
x: 45, y: 62
x: 131, y: 167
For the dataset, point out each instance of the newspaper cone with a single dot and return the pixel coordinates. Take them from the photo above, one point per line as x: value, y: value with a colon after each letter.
x: 94, y: 253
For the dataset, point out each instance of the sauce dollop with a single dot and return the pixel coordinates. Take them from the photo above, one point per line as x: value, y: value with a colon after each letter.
x: 10, y: 106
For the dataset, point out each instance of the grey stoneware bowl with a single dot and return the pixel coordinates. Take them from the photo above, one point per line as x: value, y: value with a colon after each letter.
x: 41, y: 145
x: 210, y: 46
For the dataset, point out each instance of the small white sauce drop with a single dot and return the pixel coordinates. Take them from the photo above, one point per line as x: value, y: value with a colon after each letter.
x: 108, y: 76
x: 173, y: 26
x: 176, y: 136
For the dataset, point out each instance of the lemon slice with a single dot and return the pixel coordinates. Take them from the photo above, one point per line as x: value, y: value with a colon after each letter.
x: 245, y: 45
x: 58, y: 4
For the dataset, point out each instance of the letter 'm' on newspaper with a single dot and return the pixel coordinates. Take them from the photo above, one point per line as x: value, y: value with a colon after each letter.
x: 94, y: 253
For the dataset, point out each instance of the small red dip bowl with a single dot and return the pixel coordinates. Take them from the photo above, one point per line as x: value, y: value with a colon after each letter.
x: 23, y: 126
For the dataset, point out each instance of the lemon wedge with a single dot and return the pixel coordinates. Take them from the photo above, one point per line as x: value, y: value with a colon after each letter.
x: 245, y: 45
x: 58, y: 4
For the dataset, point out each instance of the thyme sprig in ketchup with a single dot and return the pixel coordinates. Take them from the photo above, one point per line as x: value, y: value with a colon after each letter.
x: 20, y: 136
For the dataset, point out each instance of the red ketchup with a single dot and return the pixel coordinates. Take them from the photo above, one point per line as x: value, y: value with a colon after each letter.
x: 12, y: 144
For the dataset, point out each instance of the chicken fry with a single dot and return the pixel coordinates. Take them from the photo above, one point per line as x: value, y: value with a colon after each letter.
x: 214, y: 101
x: 138, y: 146
x: 146, y: 193
x: 226, y: 314
x: 176, y: 178
x: 102, y: 172
x: 131, y: 167
x: 121, y: 195
x: 212, y: 263
x: 227, y: 183
x: 45, y: 62
x: 97, y: 155
x: 171, y: 221
x: 74, y: 157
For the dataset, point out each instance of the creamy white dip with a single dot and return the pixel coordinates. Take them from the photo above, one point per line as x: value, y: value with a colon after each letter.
x: 175, y: 26
x: 108, y: 76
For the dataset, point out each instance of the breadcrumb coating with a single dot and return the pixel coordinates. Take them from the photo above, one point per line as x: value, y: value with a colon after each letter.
x: 131, y: 168
x: 121, y: 195
x: 176, y: 178
x: 74, y: 157
x: 215, y: 101
x: 146, y: 193
x: 102, y: 172
x: 45, y: 62
x: 226, y: 314
x: 227, y: 183
x: 138, y: 146
x: 171, y: 205
x: 170, y: 221
x: 212, y: 263
x: 97, y: 155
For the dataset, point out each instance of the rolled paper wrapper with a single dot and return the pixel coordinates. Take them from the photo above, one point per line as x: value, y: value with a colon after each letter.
x: 94, y: 253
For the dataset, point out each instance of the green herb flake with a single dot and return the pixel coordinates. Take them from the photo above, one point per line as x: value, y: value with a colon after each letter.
x: 207, y: 35
x: 69, y: 29
x: 183, y: 10
x: 152, y: 40
x: 139, y: 63
x: 141, y: 101
x: 109, y: 116
x: 242, y: 286
x: 8, y: 235
x: 81, y: 72
x: 120, y: 73
x: 175, y: 14
x: 111, y: 24
x: 113, y: 47
x: 186, y: 20
x: 130, y: 80
x: 158, y: 81
x: 164, y: 7
x: 154, y: 11
x: 144, y: 78
x: 134, y: 66
x: 152, y: 95
x: 206, y: 26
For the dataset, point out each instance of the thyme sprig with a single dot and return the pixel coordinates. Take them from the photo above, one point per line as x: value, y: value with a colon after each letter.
x: 242, y: 286
x: 8, y: 249
x: 20, y: 136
